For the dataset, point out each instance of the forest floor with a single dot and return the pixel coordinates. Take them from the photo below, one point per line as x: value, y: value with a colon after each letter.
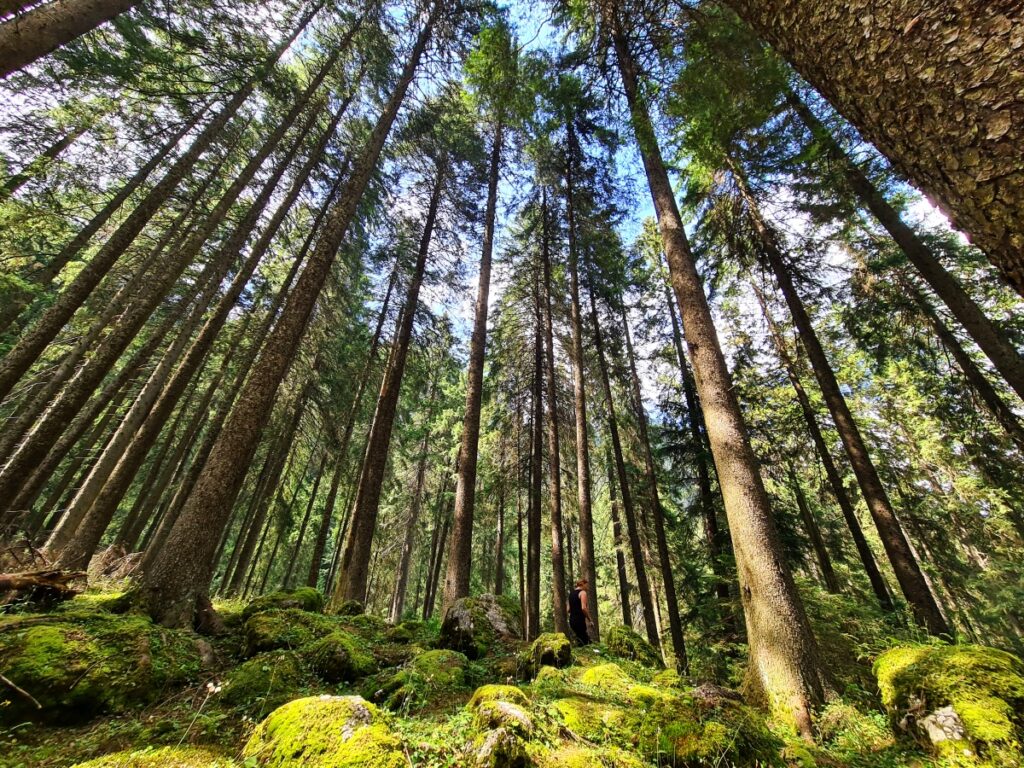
x: 281, y: 687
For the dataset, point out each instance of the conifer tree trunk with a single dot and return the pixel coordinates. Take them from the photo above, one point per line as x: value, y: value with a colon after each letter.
x: 935, y: 86
x: 814, y: 534
x: 355, y: 558
x: 675, y: 623
x: 907, y: 569
x: 867, y: 559
x: 180, y: 574
x: 588, y: 568
x: 39, y: 163
x: 499, y: 544
x: 784, y: 668
x: 533, y: 513
x: 300, y: 537
x: 558, y: 592
x: 992, y: 341
x: 620, y: 544
x: 51, y: 25
x: 461, y: 555
x: 632, y: 524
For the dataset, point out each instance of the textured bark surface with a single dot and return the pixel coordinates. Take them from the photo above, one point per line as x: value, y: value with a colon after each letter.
x: 533, y: 514
x: 784, y: 669
x: 936, y: 85
x: 456, y: 583
x: 180, y: 572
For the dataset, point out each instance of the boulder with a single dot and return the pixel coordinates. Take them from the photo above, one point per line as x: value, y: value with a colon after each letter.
x: 427, y: 675
x: 338, y: 658
x: 288, y: 628
x: 325, y: 732
x: 163, y: 757
x: 627, y: 644
x: 265, y: 681
x: 473, y: 625
x: 303, y: 599
x: 552, y: 649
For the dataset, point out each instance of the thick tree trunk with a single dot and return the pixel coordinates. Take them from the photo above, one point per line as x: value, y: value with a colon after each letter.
x: 558, y: 591
x: 588, y: 568
x: 355, y: 558
x: 867, y: 559
x: 675, y: 623
x: 992, y: 341
x: 934, y: 85
x: 180, y: 575
x: 905, y: 566
x: 460, y: 557
x: 628, y: 511
x: 784, y: 668
x: 620, y: 544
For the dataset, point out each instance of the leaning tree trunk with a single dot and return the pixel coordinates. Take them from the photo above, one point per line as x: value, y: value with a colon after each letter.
x: 813, y: 532
x: 38, y: 165
x: 992, y: 341
x: 935, y: 86
x: 355, y: 560
x: 894, y: 540
x: 179, y: 576
x: 588, y: 568
x: 784, y: 667
x: 558, y: 593
x: 867, y: 558
x: 460, y: 558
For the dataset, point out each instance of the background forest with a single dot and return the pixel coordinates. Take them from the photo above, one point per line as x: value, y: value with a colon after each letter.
x: 338, y: 341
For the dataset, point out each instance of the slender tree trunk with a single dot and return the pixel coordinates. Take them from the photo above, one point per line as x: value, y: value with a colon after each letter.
x: 558, y: 591
x: 180, y: 574
x: 442, y: 544
x: 588, y: 568
x: 620, y: 544
x: 675, y: 623
x: 305, y: 522
x: 461, y: 555
x: 39, y: 164
x: 784, y: 667
x: 436, y: 547
x: 499, y: 544
x: 628, y: 511
x: 991, y: 339
x: 814, y: 535
x: 895, y: 69
x: 356, y: 556
x: 533, y: 517
x: 908, y: 571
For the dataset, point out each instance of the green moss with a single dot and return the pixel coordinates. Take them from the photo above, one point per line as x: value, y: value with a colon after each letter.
x: 474, y: 625
x: 549, y: 682
x: 325, y: 732
x: 265, y: 681
x: 594, y: 720
x: 508, y: 693
x: 501, y: 706
x: 984, y: 686
x: 80, y: 665
x: 163, y: 757
x: 303, y: 599
x: 349, y: 608
x: 607, y: 679
x: 401, y: 633
x: 428, y: 674
x: 627, y: 644
x: 667, y: 678
x: 338, y: 658
x: 589, y: 757
x: 283, y: 628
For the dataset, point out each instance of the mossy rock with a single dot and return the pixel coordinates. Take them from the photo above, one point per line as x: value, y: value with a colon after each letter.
x: 325, y: 732
x: 426, y: 675
x: 338, y: 658
x: 551, y: 649
x: 303, y: 599
x: 283, y: 628
x: 626, y: 644
x: 667, y: 678
x: 79, y: 666
x: 607, y: 679
x: 589, y: 757
x: 266, y: 681
x: 501, y: 706
x: 163, y: 757
x: 549, y: 682
x: 498, y: 748
x: 934, y: 686
x: 409, y: 631
x: 594, y: 720
x: 348, y: 608
x: 473, y: 625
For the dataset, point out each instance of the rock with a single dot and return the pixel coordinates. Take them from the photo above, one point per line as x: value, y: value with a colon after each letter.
x: 627, y: 644
x: 406, y: 632
x: 265, y: 681
x: 303, y: 599
x: 349, y: 608
x: 589, y: 757
x: 163, y: 757
x: 501, y: 706
x: 956, y: 699
x: 425, y: 676
x: 338, y: 658
x: 499, y: 748
x: 283, y: 628
x: 551, y: 649
x: 473, y: 625
x: 325, y: 732
x: 80, y: 665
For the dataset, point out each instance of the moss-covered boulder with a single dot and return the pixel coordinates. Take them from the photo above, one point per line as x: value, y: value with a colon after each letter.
x: 957, y: 698
x: 283, y: 628
x: 594, y: 720
x: 303, y: 599
x: 627, y: 644
x: 338, y: 658
x: 163, y: 757
x: 427, y: 675
x: 78, y: 666
x: 265, y: 682
x: 551, y: 649
x: 575, y: 756
x: 501, y: 706
x: 325, y: 732
x: 473, y: 625
x: 348, y: 608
